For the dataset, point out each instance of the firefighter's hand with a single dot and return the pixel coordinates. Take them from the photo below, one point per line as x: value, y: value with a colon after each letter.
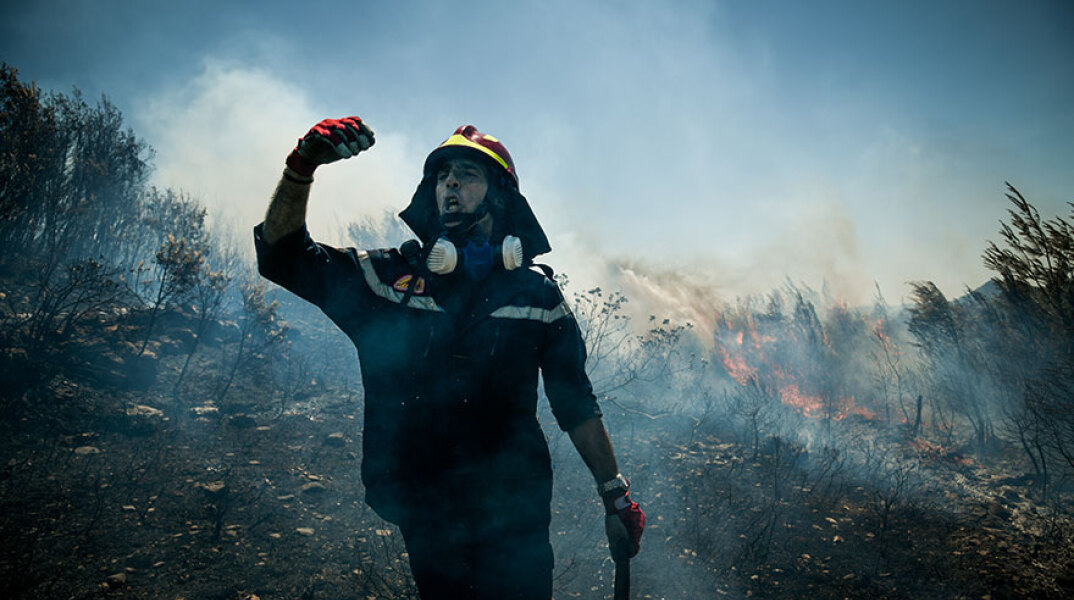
x: 624, y: 524
x: 329, y: 141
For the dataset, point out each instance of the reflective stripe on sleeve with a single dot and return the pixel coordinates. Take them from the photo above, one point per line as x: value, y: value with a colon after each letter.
x: 387, y: 292
x: 532, y: 313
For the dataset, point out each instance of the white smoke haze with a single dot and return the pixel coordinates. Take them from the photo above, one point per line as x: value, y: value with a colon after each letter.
x: 218, y: 136
x: 671, y: 144
x: 681, y: 298
x: 817, y: 242
x: 223, y: 138
x: 690, y: 131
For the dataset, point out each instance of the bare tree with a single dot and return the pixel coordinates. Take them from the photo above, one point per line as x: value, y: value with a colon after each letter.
x: 180, y: 264
x: 260, y: 329
x: 208, y: 295
x: 86, y: 288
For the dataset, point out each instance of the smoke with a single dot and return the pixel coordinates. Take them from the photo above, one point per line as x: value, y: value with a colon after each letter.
x: 691, y: 132
x: 223, y: 137
x: 742, y: 203
x: 819, y: 242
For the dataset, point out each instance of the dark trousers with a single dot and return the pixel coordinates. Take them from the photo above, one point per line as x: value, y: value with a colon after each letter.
x: 449, y: 566
x: 482, y: 554
x: 481, y: 532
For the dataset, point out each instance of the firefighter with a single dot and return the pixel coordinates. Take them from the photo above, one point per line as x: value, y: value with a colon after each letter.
x: 452, y: 331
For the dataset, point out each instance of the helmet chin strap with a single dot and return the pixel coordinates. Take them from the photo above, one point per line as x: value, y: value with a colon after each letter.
x: 467, y: 222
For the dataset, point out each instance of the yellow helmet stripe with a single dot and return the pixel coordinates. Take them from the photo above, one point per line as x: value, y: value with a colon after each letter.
x: 458, y: 140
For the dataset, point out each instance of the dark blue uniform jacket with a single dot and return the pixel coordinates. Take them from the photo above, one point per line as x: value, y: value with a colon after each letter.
x: 450, y: 378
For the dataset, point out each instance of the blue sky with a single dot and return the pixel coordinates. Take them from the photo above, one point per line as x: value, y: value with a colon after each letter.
x: 724, y: 146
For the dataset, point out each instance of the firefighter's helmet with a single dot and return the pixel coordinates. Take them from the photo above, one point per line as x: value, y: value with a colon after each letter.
x: 468, y: 137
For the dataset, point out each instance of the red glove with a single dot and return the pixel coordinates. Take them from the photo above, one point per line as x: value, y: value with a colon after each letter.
x: 624, y: 524
x: 329, y: 141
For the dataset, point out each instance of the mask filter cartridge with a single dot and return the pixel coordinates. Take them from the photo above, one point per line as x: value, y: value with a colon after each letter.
x: 444, y: 256
x: 511, y: 253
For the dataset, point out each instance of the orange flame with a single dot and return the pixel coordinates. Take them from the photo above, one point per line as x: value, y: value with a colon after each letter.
x: 810, y: 406
x: 746, y: 357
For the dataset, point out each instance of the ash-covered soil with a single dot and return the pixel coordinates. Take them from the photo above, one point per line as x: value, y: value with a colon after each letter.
x: 113, y: 492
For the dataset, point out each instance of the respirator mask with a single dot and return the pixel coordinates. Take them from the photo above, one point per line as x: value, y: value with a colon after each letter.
x: 464, y: 247
x: 475, y: 257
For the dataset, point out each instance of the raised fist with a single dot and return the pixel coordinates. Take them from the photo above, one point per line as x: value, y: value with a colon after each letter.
x: 329, y: 141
